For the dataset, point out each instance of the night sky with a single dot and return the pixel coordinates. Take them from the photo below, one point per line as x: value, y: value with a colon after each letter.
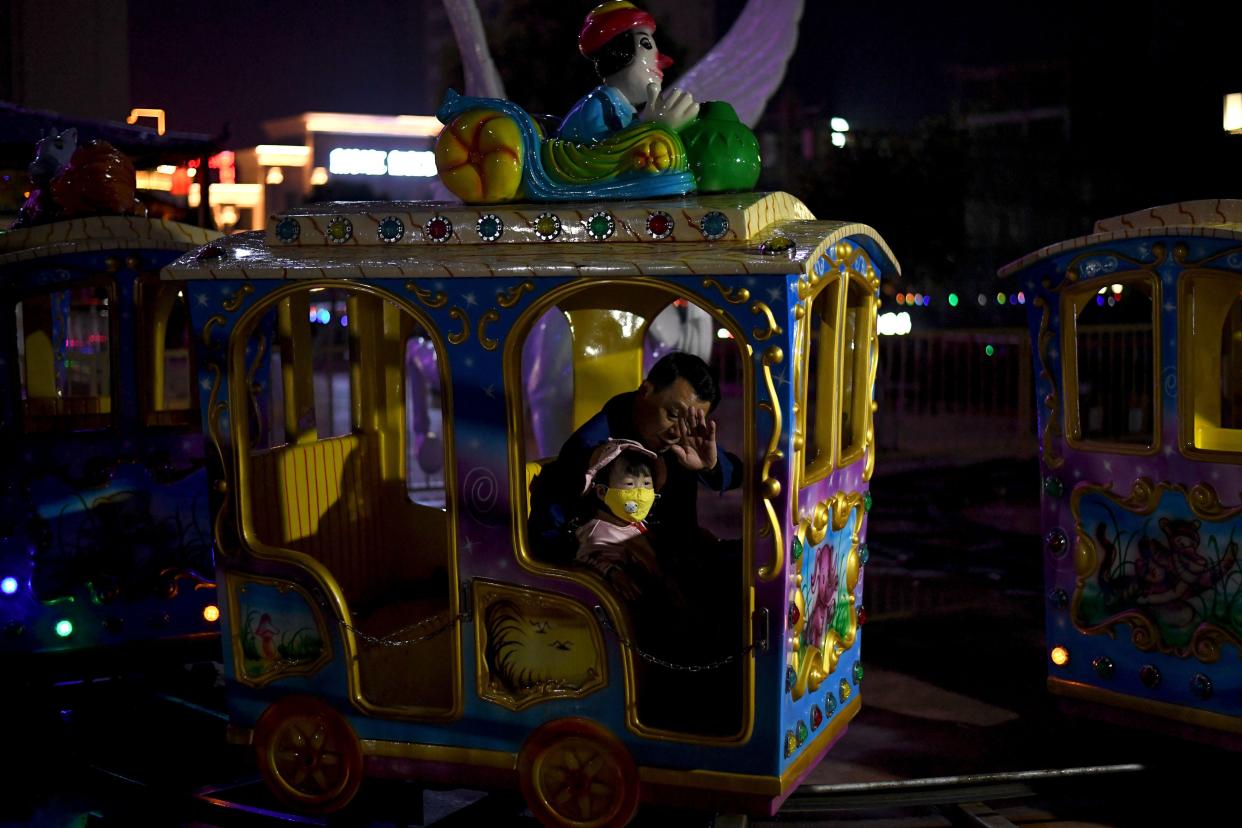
x: 881, y: 65
x: 1143, y: 82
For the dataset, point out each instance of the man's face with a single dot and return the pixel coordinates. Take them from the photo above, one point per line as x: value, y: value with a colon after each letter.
x: 646, y: 67
x: 659, y: 415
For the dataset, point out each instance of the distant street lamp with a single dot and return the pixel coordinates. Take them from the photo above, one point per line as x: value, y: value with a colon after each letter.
x: 1233, y: 113
x: 840, y: 126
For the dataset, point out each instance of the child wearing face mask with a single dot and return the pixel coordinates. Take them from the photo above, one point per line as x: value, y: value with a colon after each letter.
x: 621, y: 482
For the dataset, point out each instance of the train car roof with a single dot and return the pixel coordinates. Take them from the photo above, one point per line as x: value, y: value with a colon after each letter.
x: 95, y: 233
x: 1214, y: 218
x: 21, y: 129
x: 762, y: 233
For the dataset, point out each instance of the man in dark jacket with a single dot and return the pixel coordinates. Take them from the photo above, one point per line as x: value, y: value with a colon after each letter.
x: 669, y: 415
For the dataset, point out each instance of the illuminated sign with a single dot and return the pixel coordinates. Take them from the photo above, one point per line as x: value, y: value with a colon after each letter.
x: 351, y: 161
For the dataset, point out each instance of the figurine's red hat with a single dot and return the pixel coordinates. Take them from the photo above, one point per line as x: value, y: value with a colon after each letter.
x: 607, y: 20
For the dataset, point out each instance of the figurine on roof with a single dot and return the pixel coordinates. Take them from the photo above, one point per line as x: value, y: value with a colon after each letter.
x: 627, y: 138
x: 71, y: 180
x: 619, y: 39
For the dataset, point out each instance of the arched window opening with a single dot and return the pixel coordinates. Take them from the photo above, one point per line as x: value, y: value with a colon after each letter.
x: 596, y: 370
x: 345, y: 401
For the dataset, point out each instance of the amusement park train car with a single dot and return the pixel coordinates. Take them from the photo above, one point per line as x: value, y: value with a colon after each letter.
x: 385, y: 610
x: 1137, y: 340
x: 104, y: 529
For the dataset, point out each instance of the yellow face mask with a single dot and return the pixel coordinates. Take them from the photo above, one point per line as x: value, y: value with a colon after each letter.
x: 629, y: 504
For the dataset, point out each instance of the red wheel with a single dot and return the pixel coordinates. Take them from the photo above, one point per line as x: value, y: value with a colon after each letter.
x: 308, y: 755
x: 575, y: 773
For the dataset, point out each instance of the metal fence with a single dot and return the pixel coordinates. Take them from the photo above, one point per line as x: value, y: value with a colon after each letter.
x: 956, y: 396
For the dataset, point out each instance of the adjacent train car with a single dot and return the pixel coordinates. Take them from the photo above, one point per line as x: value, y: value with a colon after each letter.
x: 1137, y: 340
x: 374, y: 386
x: 105, y: 538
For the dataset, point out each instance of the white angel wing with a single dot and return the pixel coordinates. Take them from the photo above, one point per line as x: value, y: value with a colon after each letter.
x: 748, y: 63
x: 482, y: 79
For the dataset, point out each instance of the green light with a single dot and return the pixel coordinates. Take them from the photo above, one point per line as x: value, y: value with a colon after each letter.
x: 989, y: 350
x: 1000, y: 298
x: 953, y: 300
x: 64, y: 628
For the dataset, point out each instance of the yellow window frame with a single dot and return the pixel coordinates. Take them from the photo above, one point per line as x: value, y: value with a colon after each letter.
x: 34, y: 421
x: 1205, y: 298
x: 1073, y: 301
x: 155, y: 300
x: 829, y: 419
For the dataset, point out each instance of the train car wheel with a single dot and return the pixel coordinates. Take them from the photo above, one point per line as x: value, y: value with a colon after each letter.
x: 574, y: 772
x: 308, y: 755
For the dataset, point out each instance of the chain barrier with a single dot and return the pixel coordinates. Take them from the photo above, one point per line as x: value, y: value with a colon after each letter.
x: 392, y: 640
x: 651, y: 658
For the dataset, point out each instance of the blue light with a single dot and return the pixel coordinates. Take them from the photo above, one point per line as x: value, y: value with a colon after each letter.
x: 9, y: 585
x: 325, y: 316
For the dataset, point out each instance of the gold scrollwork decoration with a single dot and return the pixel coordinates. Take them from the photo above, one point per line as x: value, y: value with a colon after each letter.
x: 771, y: 487
x: 804, y: 288
x: 253, y: 388
x: 1205, y: 502
x: 429, y: 298
x: 225, y: 544
x: 821, y: 657
x: 773, y: 328
x: 462, y: 317
x: 508, y: 298
x: 215, y: 408
x: 1073, y: 274
x: 490, y: 316
x: 232, y: 303
x: 737, y: 296
x: 1206, y: 260
x: 869, y: 440
x: 218, y: 319
x: 817, y: 528
x: 1052, y: 425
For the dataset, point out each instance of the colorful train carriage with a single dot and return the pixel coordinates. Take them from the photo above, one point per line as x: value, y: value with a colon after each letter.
x: 1137, y: 333
x: 106, y: 539
x: 380, y: 382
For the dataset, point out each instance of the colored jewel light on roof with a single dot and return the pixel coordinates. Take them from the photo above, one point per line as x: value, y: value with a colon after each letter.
x: 547, y: 226
x: 715, y: 224
x: 490, y: 227
x: 659, y: 225
x: 600, y: 225
x: 391, y: 229
x: 439, y: 229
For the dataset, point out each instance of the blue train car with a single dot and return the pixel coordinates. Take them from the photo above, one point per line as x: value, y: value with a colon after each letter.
x: 1137, y: 338
x: 105, y: 535
x: 382, y: 383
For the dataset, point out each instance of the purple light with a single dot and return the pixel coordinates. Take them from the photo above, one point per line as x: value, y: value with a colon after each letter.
x: 344, y: 320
